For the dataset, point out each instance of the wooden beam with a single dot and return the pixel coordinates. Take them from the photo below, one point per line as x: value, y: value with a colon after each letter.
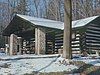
x: 20, y: 44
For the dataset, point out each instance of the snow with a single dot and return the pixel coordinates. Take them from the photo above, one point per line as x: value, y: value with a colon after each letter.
x: 56, y: 24
x: 40, y: 64
x: 82, y: 22
x: 2, y: 54
x: 89, y: 60
x: 26, y: 55
x: 42, y: 22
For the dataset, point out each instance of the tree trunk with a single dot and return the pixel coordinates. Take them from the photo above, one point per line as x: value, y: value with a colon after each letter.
x: 67, y: 29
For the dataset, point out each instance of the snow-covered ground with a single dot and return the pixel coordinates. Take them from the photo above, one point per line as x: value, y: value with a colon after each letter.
x: 21, y: 64
x: 41, y: 63
x: 2, y: 54
x: 89, y: 60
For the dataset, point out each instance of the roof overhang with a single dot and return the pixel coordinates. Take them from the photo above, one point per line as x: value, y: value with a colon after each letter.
x: 21, y: 23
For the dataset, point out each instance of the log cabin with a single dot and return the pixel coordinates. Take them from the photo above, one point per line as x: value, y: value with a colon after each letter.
x: 44, y: 36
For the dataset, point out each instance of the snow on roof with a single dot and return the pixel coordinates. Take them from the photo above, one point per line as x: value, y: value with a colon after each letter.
x: 56, y: 24
x: 82, y: 22
x: 43, y: 22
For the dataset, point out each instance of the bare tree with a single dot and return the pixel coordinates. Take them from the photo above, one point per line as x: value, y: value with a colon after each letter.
x: 22, y: 7
x: 54, y: 9
x: 36, y: 6
x: 67, y: 29
x: 85, y: 8
x: 3, y: 20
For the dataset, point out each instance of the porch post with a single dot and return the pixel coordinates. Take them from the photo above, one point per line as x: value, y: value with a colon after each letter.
x: 40, y: 41
x: 7, y: 42
x: 20, y: 44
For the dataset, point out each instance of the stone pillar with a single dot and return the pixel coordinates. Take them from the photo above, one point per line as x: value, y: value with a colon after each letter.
x: 19, y: 44
x: 13, y: 44
x: 40, y: 41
